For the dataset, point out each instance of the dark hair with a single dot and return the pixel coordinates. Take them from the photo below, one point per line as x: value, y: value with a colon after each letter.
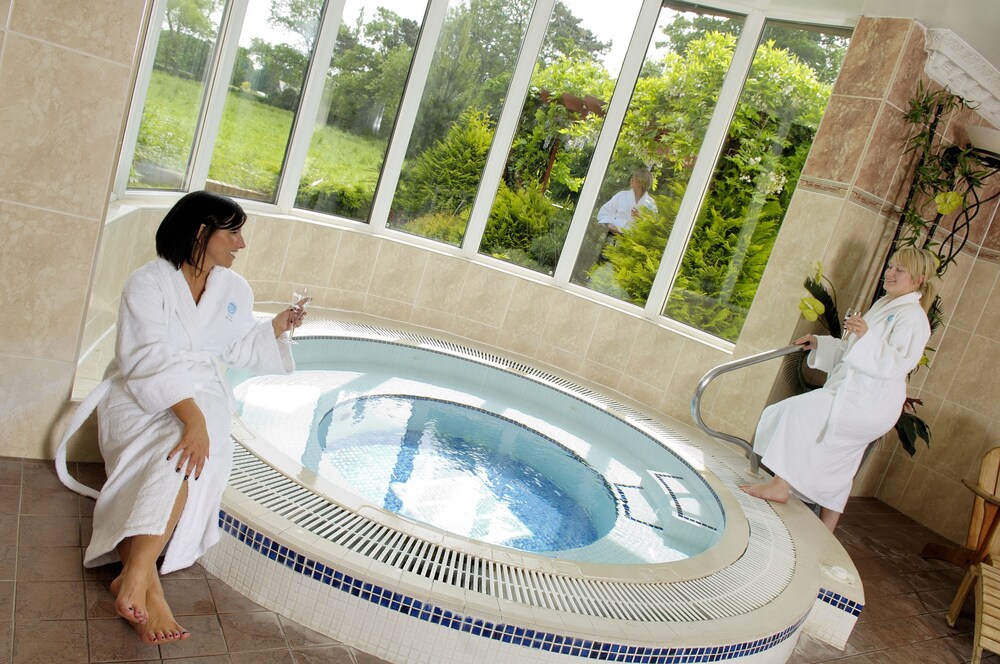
x: 178, y: 239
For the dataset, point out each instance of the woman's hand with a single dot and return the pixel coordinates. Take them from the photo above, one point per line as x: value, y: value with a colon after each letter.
x: 191, y: 451
x: 855, y: 325
x: 807, y: 342
x: 290, y: 318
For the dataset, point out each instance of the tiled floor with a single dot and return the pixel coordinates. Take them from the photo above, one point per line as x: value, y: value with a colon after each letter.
x: 906, y: 597
x: 52, y: 610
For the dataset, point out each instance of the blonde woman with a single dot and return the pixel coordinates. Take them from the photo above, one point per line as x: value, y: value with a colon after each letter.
x: 814, y: 442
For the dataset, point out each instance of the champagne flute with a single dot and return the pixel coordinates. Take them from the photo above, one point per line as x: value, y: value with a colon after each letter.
x: 300, y: 300
x: 851, y: 312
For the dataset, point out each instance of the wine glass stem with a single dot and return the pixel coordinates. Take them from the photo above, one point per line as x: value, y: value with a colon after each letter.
x: 291, y: 332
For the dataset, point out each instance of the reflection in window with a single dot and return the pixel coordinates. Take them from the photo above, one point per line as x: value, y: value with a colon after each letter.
x: 364, y: 85
x: 657, y: 147
x: 264, y: 92
x: 562, y: 116
x: 175, y: 94
x: 766, y: 145
x: 469, y: 75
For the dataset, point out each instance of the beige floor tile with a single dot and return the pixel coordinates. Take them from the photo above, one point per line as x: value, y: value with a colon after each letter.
x: 49, y: 600
x: 114, y: 640
x: 46, y: 642
x: 258, y: 630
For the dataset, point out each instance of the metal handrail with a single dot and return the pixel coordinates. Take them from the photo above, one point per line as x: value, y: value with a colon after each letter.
x: 726, y: 368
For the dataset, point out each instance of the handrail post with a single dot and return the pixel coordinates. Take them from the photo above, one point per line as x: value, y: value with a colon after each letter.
x: 726, y: 368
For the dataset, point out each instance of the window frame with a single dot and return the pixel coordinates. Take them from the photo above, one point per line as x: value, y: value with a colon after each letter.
x: 435, y: 15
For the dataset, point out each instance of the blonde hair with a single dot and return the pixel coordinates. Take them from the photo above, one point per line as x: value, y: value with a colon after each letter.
x: 644, y: 176
x: 922, y: 265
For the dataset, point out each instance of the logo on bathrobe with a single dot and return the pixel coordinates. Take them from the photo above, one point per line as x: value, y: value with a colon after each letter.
x: 232, y: 310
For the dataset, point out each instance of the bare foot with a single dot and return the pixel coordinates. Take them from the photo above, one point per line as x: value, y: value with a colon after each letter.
x: 776, y: 490
x: 161, y: 626
x: 130, y: 589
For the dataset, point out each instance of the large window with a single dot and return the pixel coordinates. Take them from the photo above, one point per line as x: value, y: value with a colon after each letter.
x: 562, y: 116
x: 755, y: 175
x: 643, y: 150
x: 658, y: 145
x: 364, y: 85
x: 264, y: 91
x: 175, y: 94
x: 453, y: 132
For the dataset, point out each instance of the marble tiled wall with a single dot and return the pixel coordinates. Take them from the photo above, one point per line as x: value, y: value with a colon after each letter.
x: 65, y: 72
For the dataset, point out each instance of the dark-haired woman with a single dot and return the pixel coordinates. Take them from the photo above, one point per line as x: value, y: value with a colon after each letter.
x: 164, y: 410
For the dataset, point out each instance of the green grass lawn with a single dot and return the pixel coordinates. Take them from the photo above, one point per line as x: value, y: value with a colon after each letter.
x: 250, y: 147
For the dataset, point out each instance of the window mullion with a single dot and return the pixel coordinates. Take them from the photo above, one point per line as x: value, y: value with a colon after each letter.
x: 218, y: 89
x: 701, y: 174
x: 605, y: 146
x: 312, y: 97
x: 531, y: 45
x: 437, y: 12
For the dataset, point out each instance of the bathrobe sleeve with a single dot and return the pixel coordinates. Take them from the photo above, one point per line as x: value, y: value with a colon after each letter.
x: 617, y: 210
x: 827, y: 353
x: 253, y: 345
x: 893, y: 346
x: 154, y: 373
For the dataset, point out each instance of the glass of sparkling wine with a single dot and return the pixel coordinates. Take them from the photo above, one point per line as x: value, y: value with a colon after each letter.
x: 847, y: 317
x: 300, y: 300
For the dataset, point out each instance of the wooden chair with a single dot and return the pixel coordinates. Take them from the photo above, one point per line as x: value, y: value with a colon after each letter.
x: 987, y: 635
x: 981, y: 543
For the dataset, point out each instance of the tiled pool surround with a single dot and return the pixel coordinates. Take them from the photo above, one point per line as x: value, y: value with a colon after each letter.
x: 337, y: 565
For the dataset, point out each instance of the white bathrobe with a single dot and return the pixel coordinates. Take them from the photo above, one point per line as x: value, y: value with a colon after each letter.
x: 169, y: 349
x: 816, y: 440
x: 618, y: 209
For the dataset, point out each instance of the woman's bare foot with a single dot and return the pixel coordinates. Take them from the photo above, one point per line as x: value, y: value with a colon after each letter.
x: 130, y: 589
x: 777, y: 490
x: 160, y: 626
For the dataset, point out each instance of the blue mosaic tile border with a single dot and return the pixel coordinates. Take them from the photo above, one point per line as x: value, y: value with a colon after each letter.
x: 505, y: 633
x: 840, y: 602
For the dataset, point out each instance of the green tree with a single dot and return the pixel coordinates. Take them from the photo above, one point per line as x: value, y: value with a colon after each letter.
x: 184, y: 47
x: 301, y: 17
x: 192, y: 17
x: 566, y: 37
x: 368, y: 72
x: 473, y: 65
x: 822, y: 51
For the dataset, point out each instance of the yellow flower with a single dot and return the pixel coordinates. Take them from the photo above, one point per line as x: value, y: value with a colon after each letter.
x: 948, y: 202
x: 811, y: 308
x: 819, y: 272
